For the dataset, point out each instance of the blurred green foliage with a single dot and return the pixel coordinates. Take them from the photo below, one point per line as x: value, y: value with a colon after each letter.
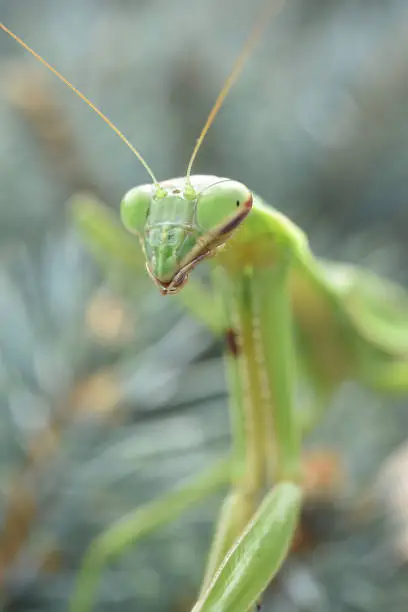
x: 110, y: 394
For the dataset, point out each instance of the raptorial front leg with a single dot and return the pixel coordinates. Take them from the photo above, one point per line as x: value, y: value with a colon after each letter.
x: 256, y: 555
x: 245, y: 403
x: 250, y: 546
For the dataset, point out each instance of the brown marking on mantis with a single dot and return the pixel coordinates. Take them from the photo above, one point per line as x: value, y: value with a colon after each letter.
x: 236, y: 221
x: 231, y: 338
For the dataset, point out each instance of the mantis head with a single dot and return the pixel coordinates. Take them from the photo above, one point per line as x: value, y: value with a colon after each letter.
x: 183, y: 221
x: 181, y: 224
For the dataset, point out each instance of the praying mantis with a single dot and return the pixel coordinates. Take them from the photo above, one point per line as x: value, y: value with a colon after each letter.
x: 266, y: 284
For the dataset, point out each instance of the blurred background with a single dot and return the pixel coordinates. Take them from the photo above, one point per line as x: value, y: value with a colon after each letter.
x: 111, y: 395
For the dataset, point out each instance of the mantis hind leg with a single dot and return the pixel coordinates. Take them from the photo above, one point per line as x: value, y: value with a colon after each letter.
x: 140, y: 523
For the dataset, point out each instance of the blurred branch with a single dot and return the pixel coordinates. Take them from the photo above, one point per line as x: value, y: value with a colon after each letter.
x: 379, y: 91
x: 97, y: 394
x: 29, y: 94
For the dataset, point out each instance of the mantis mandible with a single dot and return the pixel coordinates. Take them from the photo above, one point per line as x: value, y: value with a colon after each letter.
x: 267, y: 283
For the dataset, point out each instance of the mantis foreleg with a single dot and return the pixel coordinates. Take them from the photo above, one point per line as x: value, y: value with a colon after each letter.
x: 261, y: 373
x: 256, y: 555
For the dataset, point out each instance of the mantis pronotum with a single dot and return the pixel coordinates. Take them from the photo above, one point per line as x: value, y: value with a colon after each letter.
x: 264, y: 274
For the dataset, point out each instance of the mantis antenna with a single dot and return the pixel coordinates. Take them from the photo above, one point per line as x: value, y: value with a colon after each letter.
x: 271, y: 9
x: 160, y: 191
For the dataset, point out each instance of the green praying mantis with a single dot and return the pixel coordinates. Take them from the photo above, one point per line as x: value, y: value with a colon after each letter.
x: 287, y: 319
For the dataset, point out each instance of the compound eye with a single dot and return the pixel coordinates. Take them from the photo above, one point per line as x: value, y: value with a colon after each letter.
x: 221, y: 203
x: 134, y: 208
